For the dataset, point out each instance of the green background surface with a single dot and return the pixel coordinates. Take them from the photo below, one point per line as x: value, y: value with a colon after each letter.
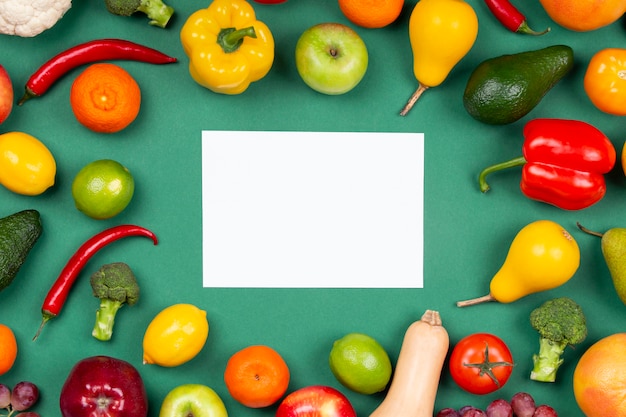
x: 467, y: 234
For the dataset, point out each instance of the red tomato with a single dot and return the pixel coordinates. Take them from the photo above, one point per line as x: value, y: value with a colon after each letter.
x: 481, y: 363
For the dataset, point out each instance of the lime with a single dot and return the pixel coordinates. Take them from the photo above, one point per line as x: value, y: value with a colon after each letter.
x: 103, y: 188
x: 360, y: 363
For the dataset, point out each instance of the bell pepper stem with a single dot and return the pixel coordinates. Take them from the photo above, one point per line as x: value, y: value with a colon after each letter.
x: 482, y: 178
x: 230, y: 39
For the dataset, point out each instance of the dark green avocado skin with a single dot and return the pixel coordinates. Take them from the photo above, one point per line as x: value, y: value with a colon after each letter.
x: 18, y: 234
x: 504, y: 89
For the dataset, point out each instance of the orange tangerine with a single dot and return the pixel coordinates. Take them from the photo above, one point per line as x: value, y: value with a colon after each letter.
x: 256, y: 376
x: 8, y: 349
x: 371, y: 14
x: 105, y: 98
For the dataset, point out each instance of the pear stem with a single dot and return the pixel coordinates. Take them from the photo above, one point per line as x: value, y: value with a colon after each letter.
x: 589, y: 232
x: 416, y: 95
x: 474, y: 301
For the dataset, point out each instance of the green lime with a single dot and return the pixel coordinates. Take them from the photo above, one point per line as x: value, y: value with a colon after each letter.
x: 102, y: 189
x: 360, y: 363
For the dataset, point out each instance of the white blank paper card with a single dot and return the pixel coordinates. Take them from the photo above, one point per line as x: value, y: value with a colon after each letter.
x: 312, y: 209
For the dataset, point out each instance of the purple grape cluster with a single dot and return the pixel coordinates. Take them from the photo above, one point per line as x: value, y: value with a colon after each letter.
x: 19, y: 399
x: 521, y: 405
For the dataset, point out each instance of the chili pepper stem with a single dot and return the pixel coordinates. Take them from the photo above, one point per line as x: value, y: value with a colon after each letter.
x: 484, y: 299
x: 28, y: 94
x: 45, y: 318
x: 413, y: 99
x: 525, y: 29
x: 589, y: 232
x: 482, y: 178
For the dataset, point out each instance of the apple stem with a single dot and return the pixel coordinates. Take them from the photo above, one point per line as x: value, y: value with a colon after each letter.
x: 416, y: 95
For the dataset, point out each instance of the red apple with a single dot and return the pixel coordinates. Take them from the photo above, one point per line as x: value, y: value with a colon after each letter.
x: 105, y: 387
x: 315, y: 401
x: 6, y: 94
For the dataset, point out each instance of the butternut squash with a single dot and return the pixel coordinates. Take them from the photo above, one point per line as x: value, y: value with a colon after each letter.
x: 414, y: 385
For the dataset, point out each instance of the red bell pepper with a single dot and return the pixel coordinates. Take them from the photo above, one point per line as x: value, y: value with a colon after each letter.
x: 564, y: 162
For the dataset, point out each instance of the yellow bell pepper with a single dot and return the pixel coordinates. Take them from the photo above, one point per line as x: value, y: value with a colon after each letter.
x: 227, y: 47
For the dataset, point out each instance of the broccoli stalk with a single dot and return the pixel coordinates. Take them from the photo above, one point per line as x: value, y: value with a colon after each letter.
x: 115, y: 285
x: 158, y: 12
x: 560, y: 323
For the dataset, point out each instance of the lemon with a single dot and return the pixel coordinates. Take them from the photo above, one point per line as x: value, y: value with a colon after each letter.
x: 26, y: 165
x: 360, y: 363
x: 102, y: 189
x: 175, y: 335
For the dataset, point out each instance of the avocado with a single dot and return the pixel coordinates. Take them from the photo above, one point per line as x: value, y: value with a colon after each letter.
x: 18, y: 234
x: 504, y: 89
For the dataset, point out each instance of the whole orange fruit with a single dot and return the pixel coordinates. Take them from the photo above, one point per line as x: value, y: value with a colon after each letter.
x: 623, y: 158
x: 105, y: 98
x: 8, y: 349
x: 256, y: 376
x: 600, y: 378
x: 584, y: 15
x: 371, y: 14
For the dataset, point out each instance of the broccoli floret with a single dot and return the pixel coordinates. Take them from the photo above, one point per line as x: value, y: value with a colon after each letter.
x: 115, y: 285
x: 560, y: 323
x: 158, y: 12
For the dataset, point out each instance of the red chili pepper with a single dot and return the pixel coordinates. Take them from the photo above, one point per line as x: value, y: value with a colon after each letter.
x: 57, y: 295
x: 564, y: 163
x: 511, y: 17
x: 88, y: 52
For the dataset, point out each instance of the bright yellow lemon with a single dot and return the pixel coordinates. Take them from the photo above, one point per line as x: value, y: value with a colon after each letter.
x: 175, y: 336
x: 26, y: 165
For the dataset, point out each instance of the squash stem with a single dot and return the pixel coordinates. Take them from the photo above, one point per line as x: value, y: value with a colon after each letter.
x: 416, y: 95
x: 432, y: 317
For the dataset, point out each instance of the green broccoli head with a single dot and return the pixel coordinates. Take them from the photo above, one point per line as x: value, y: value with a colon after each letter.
x: 115, y: 285
x: 560, y: 322
x: 115, y: 282
x: 158, y: 12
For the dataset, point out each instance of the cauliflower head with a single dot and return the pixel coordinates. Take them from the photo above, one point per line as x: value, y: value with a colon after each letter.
x: 28, y: 18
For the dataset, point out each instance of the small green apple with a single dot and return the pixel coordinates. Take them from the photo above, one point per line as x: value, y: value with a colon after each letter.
x: 192, y: 400
x: 331, y: 58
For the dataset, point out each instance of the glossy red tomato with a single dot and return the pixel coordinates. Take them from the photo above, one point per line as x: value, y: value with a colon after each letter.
x: 481, y: 363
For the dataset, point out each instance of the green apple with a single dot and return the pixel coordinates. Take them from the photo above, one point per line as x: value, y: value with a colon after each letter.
x: 331, y: 58
x: 192, y: 400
